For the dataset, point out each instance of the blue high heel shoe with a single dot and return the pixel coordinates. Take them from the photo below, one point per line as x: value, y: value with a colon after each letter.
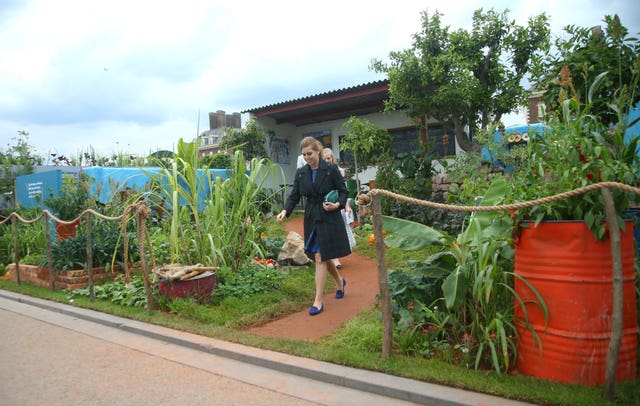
x: 340, y: 292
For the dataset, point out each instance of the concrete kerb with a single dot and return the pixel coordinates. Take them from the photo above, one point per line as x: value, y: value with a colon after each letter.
x: 363, y: 380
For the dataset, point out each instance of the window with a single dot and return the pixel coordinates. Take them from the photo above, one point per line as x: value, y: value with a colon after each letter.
x: 439, y: 138
x: 442, y: 139
x: 404, y: 140
x: 324, y: 136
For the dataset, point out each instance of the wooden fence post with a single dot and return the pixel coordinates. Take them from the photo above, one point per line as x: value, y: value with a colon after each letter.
x: 383, y: 278
x: 142, y: 211
x: 618, y: 297
x: 47, y: 233
x: 88, y: 231
x: 16, y: 255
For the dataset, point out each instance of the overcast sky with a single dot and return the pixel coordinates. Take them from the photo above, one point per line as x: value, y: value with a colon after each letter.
x: 133, y: 76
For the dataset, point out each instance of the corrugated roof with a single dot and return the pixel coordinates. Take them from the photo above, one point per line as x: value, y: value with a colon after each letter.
x: 354, y: 100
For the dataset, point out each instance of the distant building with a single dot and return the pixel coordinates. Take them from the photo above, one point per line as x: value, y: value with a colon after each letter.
x: 536, y: 110
x: 219, y: 124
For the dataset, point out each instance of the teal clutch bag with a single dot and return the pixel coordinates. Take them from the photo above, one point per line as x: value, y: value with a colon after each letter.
x: 332, y: 196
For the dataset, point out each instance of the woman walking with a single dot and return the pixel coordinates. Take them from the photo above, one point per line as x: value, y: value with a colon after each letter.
x: 324, y: 230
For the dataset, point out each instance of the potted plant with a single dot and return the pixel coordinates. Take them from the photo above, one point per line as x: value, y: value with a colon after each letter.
x: 563, y: 247
x: 70, y: 201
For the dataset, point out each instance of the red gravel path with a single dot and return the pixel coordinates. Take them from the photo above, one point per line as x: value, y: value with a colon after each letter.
x: 362, y: 287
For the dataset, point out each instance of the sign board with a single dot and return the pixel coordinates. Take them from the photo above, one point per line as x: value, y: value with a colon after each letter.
x: 32, y: 189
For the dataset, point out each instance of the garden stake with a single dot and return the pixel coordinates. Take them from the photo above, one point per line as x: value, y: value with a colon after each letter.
x: 125, y: 239
x: 383, y: 280
x: 89, y: 257
x: 618, y: 299
x: 47, y: 233
x: 16, y: 256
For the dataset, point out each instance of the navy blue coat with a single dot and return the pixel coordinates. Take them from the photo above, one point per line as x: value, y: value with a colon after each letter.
x: 329, y: 225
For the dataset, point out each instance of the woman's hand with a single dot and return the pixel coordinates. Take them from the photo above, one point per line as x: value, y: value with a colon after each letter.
x: 281, y: 215
x: 328, y: 206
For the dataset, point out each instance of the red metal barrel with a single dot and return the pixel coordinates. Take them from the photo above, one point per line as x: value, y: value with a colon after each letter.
x: 572, y: 272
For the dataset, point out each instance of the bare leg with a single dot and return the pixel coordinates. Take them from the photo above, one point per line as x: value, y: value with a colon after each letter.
x: 331, y: 267
x: 321, y: 280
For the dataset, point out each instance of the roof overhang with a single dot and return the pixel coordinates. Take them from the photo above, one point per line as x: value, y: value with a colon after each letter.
x: 338, y: 104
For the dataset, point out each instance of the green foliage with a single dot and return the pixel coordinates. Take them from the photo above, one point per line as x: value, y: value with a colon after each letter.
x: 457, y: 305
x: 250, y: 140
x: 367, y: 142
x: 272, y: 246
x: 580, y: 149
x: 362, y: 333
x: 31, y: 237
x: 411, y: 175
x: 15, y: 160
x: 586, y: 53
x: 234, y: 222
x: 251, y: 280
x: 21, y: 153
x: 72, y: 199
x: 219, y: 160
x: 461, y: 76
x: 106, y: 245
x: 117, y: 292
x: 225, y: 228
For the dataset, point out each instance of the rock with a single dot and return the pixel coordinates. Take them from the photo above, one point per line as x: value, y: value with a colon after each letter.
x: 292, y: 250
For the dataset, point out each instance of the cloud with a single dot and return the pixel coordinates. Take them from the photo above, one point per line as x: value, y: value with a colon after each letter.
x: 77, y: 73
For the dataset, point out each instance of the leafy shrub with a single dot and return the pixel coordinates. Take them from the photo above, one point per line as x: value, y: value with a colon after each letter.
x: 464, y: 314
x: 219, y: 160
x: 71, y: 253
x: 253, y: 279
x: 272, y: 246
x: 31, y: 237
x: 117, y: 292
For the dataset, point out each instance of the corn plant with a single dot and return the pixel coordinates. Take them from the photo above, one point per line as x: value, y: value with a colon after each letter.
x: 214, y: 222
x: 233, y: 217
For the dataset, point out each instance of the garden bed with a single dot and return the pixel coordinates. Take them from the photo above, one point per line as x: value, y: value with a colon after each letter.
x: 69, y: 280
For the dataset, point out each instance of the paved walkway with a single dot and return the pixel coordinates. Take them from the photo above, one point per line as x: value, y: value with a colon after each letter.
x: 57, y: 354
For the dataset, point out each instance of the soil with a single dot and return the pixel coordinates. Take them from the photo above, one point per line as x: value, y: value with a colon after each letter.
x: 359, y: 294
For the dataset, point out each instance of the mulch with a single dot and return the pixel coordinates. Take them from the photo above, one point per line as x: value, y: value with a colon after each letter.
x: 360, y: 294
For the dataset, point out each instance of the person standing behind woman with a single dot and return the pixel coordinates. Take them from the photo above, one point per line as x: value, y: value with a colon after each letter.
x: 324, y: 230
x: 327, y: 155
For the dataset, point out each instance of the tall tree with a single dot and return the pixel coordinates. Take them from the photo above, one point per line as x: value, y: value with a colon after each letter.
x: 465, y: 78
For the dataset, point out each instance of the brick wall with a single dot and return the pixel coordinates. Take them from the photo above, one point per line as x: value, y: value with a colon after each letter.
x: 69, y: 280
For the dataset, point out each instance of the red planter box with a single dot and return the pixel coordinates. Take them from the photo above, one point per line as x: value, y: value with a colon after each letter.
x: 199, y: 288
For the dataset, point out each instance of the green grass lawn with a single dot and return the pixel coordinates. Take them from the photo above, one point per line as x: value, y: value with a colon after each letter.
x: 357, y: 343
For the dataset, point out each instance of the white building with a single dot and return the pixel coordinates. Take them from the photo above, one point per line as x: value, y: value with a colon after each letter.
x: 323, y: 115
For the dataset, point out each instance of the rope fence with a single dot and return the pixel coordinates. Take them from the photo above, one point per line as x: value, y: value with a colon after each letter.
x: 371, y: 201
x: 140, y: 211
x: 511, y: 206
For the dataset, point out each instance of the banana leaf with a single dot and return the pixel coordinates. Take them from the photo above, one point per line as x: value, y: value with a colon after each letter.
x: 409, y: 235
